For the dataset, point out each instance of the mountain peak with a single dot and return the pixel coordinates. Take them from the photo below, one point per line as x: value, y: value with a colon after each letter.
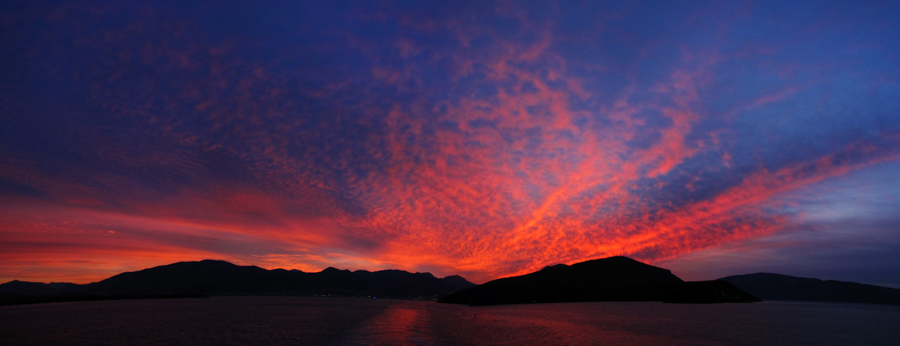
x: 333, y: 271
x: 425, y: 274
x: 615, y: 278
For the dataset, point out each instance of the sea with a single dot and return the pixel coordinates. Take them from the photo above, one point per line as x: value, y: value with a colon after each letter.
x: 361, y: 321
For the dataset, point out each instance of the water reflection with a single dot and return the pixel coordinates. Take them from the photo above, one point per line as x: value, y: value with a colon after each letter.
x: 332, y: 321
x: 631, y: 323
x: 402, y: 323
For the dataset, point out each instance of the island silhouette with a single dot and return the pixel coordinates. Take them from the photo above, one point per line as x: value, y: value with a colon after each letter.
x: 770, y: 286
x: 213, y: 277
x: 616, y: 278
x: 609, y: 279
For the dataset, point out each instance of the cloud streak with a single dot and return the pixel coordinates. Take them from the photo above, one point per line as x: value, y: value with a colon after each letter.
x: 484, y: 139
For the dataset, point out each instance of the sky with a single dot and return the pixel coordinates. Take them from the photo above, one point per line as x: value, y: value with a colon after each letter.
x: 484, y: 139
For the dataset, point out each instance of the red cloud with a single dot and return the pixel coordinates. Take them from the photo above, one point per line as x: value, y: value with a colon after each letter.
x: 493, y: 157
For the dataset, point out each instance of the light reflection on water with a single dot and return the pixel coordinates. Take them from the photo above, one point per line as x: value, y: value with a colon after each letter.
x: 407, y: 325
x: 344, y: 321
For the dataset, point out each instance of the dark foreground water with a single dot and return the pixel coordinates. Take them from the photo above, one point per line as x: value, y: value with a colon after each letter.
x: 347, y: 321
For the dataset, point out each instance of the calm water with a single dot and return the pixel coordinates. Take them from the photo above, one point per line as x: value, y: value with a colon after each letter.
x: 345, y: 321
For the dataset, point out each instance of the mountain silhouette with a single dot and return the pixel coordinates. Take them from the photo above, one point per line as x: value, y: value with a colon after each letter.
x: 610, y: 279
x: 770, y: 286
x: 210, y: 277
x: 25, y: 288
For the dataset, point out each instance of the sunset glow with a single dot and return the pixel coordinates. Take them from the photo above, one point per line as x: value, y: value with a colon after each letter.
x: 481, y: 139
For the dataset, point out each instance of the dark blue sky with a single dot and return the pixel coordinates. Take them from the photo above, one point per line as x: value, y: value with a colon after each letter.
x: 475, y: 138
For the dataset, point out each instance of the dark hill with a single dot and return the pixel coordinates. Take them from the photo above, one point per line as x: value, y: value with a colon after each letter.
x: 17, y: 288
x: 206, y: 276
x: 457, y: 281
x: 610, y: 279
x: 783, y: 287
x: 219, y: 277
x: 210, y: 277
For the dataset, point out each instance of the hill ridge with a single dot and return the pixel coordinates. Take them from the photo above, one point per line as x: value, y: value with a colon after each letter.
x: 217, y: 277
x: 772, y: 286
x: 615, y: 278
